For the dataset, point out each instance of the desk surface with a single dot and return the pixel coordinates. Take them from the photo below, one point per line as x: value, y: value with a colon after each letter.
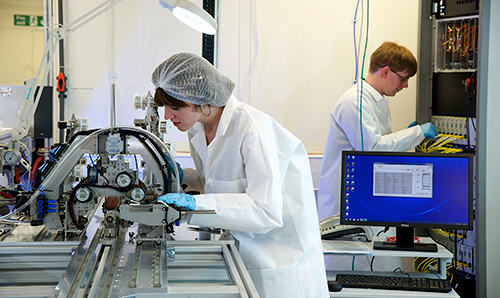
x: 335, y: 247
x: 371, y: 293
x: 366, y: 248
x: 374, y: 293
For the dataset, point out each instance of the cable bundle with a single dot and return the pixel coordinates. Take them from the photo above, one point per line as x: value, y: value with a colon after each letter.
x: 443, y: 143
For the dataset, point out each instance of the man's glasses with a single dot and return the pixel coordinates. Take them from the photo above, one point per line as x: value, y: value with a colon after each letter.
x: 403, y: 80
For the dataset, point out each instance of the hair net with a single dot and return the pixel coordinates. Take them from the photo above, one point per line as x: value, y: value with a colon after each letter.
x: 191, y: 78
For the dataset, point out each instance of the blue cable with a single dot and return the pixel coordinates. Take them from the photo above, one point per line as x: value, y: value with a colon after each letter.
x: 362, y: 70
x: 95, y: 168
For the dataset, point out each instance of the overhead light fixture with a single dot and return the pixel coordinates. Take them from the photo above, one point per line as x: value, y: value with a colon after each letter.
x: 191, y: 15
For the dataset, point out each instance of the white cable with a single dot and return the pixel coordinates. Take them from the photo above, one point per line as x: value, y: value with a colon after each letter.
x: 361, y: 31
x: 358, y: 85
x: 246, y: 85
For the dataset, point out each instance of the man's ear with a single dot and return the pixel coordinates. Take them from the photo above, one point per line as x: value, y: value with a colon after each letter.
x: 384, y: 71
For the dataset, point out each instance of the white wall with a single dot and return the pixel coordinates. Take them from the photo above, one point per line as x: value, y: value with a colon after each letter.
x: 301, y: 58
x: 21, y: 52
x: 22, y: 47
x: 126, y: 43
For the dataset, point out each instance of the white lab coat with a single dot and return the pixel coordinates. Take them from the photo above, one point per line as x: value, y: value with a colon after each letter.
x: 345, y: 135
x: 257, y: 178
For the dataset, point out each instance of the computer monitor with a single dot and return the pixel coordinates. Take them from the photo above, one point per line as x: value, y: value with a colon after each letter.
x: 407, y: 190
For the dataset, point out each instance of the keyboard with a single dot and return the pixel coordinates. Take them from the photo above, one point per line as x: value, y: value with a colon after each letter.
x: 403, y: 282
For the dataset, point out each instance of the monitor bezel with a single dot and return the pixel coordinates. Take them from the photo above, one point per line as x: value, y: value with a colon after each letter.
x: 469, y: 225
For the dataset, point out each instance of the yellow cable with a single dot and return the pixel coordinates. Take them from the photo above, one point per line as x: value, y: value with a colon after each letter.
x: 441, y: 144
x: 427, y: 263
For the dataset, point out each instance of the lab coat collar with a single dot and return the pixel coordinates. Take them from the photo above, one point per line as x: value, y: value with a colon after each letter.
x: 198, y: 130
x: 226, y: 116
x: 372, y: 91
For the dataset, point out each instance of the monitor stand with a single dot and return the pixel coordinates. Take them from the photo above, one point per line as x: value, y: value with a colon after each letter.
x: 405, y: 241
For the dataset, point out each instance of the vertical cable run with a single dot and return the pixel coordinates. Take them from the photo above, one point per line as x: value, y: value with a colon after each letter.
x: 362, y: 70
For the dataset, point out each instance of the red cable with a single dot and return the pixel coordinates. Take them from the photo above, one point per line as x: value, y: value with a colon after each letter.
x: 393, y: 239
x: 17, y: 179
x: 34, y: 170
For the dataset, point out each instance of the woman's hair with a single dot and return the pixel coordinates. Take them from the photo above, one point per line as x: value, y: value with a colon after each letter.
x: 397, y: 57
x: 163, y: 99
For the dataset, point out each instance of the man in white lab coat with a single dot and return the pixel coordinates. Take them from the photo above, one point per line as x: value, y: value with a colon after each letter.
x: 391, y: 66
x: 256, y: 177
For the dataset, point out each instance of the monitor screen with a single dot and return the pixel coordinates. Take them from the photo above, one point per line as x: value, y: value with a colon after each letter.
x: 407, y: 190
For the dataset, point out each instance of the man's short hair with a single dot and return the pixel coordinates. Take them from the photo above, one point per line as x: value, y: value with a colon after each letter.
x: 397, y: 57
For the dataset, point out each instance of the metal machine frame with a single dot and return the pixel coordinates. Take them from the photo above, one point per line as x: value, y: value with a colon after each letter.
x: 119, y: 237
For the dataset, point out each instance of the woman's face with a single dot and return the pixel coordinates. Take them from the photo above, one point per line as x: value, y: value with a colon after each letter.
x: 184, y: 117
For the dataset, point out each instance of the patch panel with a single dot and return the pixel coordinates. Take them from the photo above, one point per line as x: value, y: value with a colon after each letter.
x: 450, y: 125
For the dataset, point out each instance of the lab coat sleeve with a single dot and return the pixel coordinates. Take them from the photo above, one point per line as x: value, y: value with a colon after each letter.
x: 253, y: 203
x: 372, y: 134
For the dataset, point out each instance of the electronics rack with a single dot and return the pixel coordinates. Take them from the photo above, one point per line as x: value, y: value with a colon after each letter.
x: 455, y: 60
x: 446, y: 96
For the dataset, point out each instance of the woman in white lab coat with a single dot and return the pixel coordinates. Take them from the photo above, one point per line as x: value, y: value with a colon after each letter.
x: 256, y: 177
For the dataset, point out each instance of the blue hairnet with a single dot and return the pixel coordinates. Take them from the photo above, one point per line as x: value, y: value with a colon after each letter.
x: 191, y: 78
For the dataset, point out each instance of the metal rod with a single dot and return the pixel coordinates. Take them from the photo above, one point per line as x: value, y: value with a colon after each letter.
x: 113, y: 106
x: 98, y: 274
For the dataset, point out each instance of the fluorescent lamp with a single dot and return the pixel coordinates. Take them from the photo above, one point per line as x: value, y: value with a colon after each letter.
x: 191, y: 15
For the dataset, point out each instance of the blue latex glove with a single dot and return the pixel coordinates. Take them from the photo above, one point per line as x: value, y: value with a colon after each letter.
x: 430, y: 132
x: 179, y: 199
x: 412, y: 124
